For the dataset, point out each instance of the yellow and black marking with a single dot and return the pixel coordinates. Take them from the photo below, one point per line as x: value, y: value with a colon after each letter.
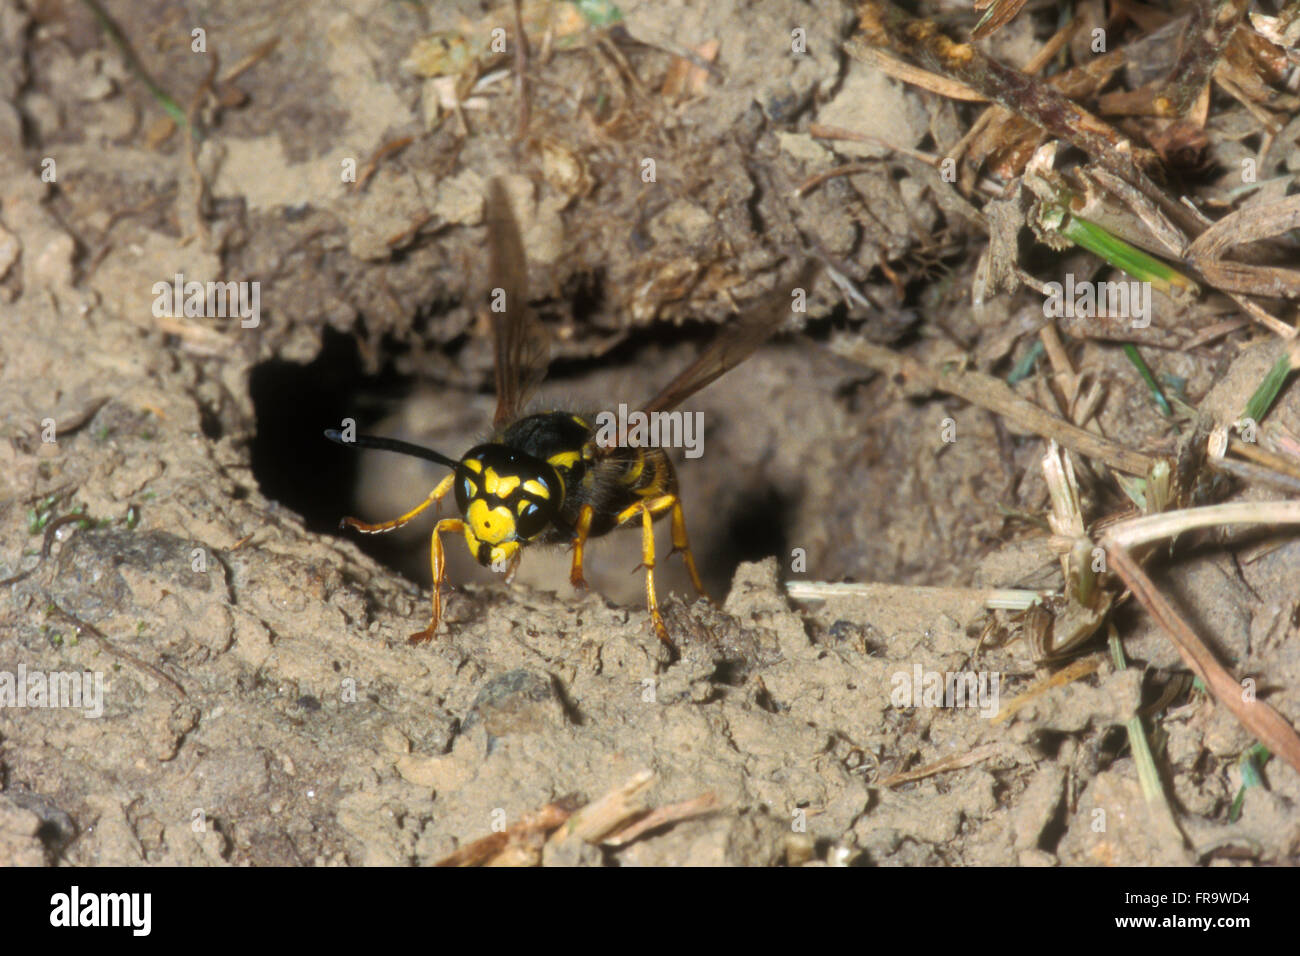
x: 542, y: 478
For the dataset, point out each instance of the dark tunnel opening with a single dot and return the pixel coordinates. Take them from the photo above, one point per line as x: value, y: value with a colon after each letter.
x: 293, y: 462
x: 296, y: 466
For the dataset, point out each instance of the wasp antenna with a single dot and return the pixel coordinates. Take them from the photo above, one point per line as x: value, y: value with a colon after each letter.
x: 391, y: 444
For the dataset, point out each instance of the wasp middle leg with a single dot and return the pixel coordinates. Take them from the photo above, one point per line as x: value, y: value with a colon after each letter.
x: 580, y: 533
x: 648, y: 510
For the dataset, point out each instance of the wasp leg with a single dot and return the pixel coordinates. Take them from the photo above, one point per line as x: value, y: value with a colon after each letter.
x: 438, y: 561
x: 579, y: 542
x: 439, y: 492
x: 648, y: 510
x: 680, y: 543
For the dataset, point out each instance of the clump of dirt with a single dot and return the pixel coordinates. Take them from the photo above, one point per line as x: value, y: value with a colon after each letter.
x: 167, y: 502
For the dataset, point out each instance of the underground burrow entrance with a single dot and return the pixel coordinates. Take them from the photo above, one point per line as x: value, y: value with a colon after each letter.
x: 733, y: 514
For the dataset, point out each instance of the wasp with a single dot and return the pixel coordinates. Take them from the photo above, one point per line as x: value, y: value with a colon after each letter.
x: 544, y: 478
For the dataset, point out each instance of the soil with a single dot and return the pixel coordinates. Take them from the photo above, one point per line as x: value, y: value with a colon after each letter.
x: 261, y: 704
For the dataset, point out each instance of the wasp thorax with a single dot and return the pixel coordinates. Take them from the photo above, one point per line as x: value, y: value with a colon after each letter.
x: 506, y: 496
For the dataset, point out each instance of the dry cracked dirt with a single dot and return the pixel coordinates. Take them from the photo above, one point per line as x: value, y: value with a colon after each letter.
x: 260, y: 702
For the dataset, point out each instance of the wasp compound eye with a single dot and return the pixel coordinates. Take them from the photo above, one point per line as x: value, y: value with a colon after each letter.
x: 533, y: 518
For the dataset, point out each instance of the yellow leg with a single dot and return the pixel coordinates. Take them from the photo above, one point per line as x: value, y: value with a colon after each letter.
x: 647, y: 510
x: 579, y: 542
x: 681, y: 544
x: 438, y: 561
x: 439, y: 492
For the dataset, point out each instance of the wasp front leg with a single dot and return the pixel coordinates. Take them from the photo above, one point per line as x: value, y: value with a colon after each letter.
x: 437, y: 558
x: 435, y: 496
x: 438, y: 561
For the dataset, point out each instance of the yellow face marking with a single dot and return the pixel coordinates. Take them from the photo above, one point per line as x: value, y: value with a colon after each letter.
x: 535, y: 487
x: 495, y: 484
x: 563, y: 459
x: 474, y: 465
x: 491, y: 525
x: 580, y: 420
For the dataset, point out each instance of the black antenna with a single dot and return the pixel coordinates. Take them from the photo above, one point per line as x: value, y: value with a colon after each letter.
x: 391, y: 444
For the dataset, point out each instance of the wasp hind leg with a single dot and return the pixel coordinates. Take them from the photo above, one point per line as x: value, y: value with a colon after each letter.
x: 682, y: 545
x: 438, y: 561
x: 648, y: 510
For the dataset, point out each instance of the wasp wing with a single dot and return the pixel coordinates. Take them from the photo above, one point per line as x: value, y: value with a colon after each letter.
x: 522, y: 344
x: 734, y: 344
